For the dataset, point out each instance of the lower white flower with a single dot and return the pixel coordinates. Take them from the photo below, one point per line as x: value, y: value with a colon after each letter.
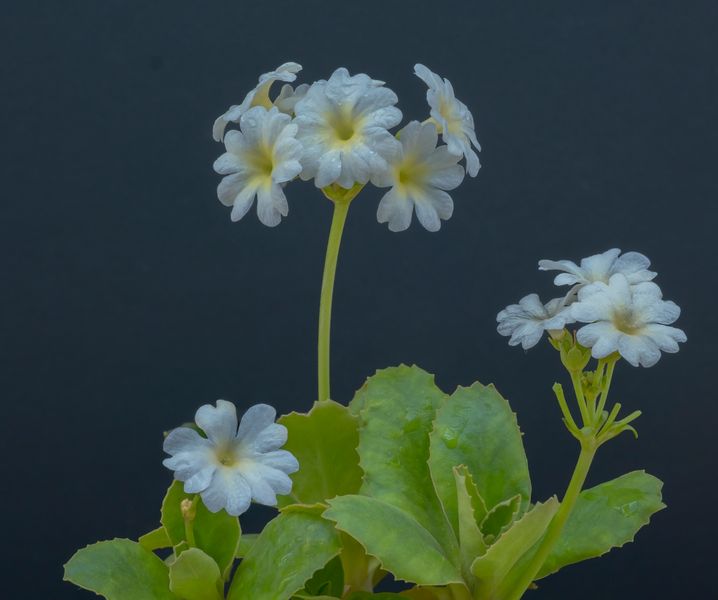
x: 452, y: 116
x: 527, y: 321
x: 632, y: 320
x: 262, y: 156
x: 232, y: 466
x: 343, y: 125
x: 600, y: 267
x: 259, y: 96
x: 418, y: 179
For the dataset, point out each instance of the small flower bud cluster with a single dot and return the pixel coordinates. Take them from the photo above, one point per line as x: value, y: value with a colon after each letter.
x: 337, y: 132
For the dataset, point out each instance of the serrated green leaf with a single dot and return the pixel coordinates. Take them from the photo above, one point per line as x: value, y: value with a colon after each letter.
x: 290, y: 549
x: 492, y: 568
x: 120, y: 569
x: 398, y: 406
x: 325, y: 443
x: 470, y: 506
x: 606, y: 516
x: 395, y: 538
x: 155, y: 539
x: 500, y: 518
x: 477, y: 428
x: 195, y: 576
x: 329, y: 580
x: 217, y: 534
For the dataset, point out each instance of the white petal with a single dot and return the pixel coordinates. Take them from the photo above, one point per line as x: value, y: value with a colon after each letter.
x: 279, y: 459
x: 435, y: 205
x: 601, y: 337
x: 243, y: 202
x: 228, y: 490
x: 272, y: 437
x: 219, y: 423
x: 447, y: 178
x: 262, y: 492
x: 184, y: 439
x: 396, y: 210
x: 271, y: 205
x: 256, y: 419
x: 200, y: 480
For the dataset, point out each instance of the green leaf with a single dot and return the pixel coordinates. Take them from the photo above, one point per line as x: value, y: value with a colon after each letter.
x: 328, y: 580
x: 290, y: 549
x: 120, y: 569
x: 217, y: 534
x: 245, y: 543
x: 492, y: 568
x: 395, y: 538
x: 500, y: 517
x: 476, y: 428
x: 606, y: 516
x: 470, y: 507
x: 195, y: 576
x: 325, y: 443
x: 397, y: 408
x: 155, y: 539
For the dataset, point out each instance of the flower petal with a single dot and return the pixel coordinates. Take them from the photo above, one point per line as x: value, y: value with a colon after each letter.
x: 219, y: 423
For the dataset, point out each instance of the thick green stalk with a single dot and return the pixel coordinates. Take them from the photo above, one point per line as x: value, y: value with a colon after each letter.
x: 588, y: 451
x: 341, y: 208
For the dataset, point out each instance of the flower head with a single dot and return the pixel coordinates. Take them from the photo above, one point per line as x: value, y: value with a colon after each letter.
x: 343, y: 125
x: 527, y: 321
x: 232, y: 466
x: 259, y: 96
x: 262, y: 156
x: 418, y: 177
x: 600, y: 267
x: 452, y: 116
x: 632, y: 320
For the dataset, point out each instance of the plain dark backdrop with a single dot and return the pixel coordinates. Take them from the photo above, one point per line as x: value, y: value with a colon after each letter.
x: 129, y: 298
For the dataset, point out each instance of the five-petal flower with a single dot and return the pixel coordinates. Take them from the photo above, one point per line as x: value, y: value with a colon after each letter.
x: 527, y: 321
x: 232, y: 466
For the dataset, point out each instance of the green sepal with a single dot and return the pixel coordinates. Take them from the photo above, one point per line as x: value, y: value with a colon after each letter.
x: 395, y: 538
x: 120, y: 569
x: 471, y: 509
x: 397, y: 407
x: 195, y: 576
x: 324, y: 441
x: 605, y: 517
x: 217, y: 534
x: 155, y: 539
x: 291, y: 548
x: 493, y: 568
x: 500, y: 518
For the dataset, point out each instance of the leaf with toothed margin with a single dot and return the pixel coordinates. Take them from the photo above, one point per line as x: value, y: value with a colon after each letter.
x: 290, y: 549
x: 471, y: 510
x: 500, y: 518
x: 605, y: 517
x: 492, y: 568
x: 395, y: 538
x: 324, y: 441
x: 477, y: 428
x: 397, y: 407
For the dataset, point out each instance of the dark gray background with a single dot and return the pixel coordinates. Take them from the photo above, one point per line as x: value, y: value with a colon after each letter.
x: 129, y: 298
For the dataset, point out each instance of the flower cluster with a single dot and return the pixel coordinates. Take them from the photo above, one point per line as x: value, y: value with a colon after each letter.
x: 614, y: 298
x: 232, y: 466
x: 337, y: 132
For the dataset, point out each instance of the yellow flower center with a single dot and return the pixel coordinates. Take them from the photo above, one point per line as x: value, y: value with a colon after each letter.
x: 343, y: 125
x: 625, y: 322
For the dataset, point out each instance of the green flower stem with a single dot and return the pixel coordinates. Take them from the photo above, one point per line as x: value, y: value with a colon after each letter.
x: 606, y: 384
x: 580, y: 398
x: 580, y: 472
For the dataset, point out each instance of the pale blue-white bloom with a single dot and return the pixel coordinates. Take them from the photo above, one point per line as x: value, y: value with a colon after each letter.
x: 454, y: 119
x: 419, y: 178
x: 525, y: 323
x: 259, y: 96
x: 232, y: 465
x: 600, y: 267
x: 261, y: 158
x: 343, y: 126
x: 632, y: 320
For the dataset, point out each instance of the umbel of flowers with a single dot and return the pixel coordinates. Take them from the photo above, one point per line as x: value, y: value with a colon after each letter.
x: 404, y: 479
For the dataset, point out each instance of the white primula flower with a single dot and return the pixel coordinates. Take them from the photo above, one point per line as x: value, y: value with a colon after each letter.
x: 259, y: 96
x: 289, y: 96
x: 343, y: 125
x: 418, y: 178
x: 231, y: 467
x: 632, y: 320
x: 600, y: 267
x: 526, y: 321
x: 452, y: 116
x: 262, y: 156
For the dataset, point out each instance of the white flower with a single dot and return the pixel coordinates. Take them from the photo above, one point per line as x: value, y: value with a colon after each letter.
x: 452, y: 116
x: 600, y: 267
x: 289, y: 96
x: 526, y: 321
x: 260, y: 158
x: 231, y: 467
x: 418, y: 178
x: 259, y: 96
x: 343, y: 126
x: 632, y: 320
